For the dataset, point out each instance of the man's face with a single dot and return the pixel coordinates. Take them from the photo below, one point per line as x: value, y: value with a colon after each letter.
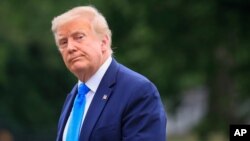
x: 82, y: 50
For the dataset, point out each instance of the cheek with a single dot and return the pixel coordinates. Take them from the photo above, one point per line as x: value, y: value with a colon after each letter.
x: 64, y: 57
x: 96, y: 54
x: 97, y: 49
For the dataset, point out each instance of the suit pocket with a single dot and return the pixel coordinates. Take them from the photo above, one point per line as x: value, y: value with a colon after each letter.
x: 107, y: 133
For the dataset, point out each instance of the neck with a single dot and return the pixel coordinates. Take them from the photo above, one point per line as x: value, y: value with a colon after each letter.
x: 84, y: 76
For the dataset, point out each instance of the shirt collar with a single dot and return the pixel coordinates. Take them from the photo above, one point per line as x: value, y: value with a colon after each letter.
x: 95, y: 80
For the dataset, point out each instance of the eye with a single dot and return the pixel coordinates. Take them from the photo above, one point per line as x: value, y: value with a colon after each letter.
x: 79, y: 36
x: 62, y: 43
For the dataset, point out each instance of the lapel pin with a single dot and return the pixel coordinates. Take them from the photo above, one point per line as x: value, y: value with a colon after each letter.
x: 105, y: 97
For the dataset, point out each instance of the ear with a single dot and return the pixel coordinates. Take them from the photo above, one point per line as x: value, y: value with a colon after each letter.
x: 105, y: 43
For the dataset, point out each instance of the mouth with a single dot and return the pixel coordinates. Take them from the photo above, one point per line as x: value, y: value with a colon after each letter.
x: 74, y: 59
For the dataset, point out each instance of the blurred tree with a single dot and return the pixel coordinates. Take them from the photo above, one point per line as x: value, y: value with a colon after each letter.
x: 178, y: 44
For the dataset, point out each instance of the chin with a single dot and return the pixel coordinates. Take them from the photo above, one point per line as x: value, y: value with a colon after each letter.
x: 77, y: 68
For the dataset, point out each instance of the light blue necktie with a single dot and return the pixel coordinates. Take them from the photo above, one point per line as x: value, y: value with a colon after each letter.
x: 77, y: 114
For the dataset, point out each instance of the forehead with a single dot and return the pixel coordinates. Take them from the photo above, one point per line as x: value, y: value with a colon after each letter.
x: 73, y: 26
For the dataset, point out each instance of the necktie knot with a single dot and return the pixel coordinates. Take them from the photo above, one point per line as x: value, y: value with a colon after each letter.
x: 83, y: 89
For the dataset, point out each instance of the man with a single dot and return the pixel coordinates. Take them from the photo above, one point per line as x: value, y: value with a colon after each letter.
x: 110, y: 102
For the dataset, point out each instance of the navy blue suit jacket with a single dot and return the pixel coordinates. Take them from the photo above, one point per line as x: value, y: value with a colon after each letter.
x: 132, y: 111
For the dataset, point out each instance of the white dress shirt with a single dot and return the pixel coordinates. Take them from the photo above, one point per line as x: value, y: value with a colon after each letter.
x: 92, y: 84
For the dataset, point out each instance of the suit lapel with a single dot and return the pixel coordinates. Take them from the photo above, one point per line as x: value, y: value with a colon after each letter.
x: 66, y: 112
x: 99, y: 101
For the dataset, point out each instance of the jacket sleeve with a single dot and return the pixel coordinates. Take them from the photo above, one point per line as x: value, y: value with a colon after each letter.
x: 144, y: 118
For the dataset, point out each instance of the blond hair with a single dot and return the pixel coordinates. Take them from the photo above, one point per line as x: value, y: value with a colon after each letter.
x: 98, y: 21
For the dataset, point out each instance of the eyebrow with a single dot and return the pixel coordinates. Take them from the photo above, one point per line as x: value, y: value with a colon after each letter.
x: 61, y: 36
x: 77, y: 32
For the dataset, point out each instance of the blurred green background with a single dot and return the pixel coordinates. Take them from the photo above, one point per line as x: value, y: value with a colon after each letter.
x: 196, y: 52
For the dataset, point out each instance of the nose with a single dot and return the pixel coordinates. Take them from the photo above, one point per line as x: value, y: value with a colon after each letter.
x: 71, y: 47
